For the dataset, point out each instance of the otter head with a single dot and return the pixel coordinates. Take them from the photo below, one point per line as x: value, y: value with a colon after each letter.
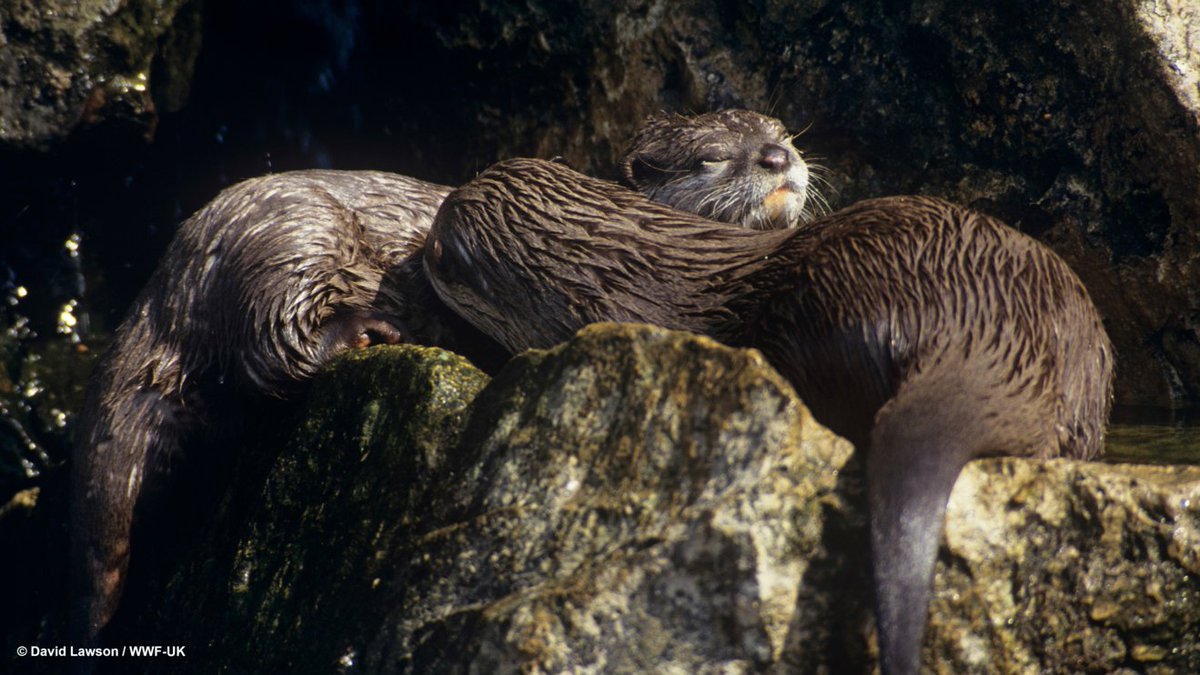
x: 734, y: 166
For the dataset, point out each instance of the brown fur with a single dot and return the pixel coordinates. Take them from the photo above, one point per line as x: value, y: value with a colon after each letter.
x: 255, y: 293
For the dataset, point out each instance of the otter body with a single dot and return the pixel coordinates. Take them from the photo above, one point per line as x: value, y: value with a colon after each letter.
x: 925, y: 333
x: 257, y: 291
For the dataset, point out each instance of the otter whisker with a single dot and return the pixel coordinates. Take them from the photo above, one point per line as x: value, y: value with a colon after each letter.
x: 734, y: 191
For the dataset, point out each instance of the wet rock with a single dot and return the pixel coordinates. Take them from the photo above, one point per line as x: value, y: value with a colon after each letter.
x: 645, y: 500
x: 642, y: 500
x: 288, y: 572
x: 71, y: 64
x: 1067, y: 566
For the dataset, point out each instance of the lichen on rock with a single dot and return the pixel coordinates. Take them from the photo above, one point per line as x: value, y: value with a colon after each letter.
x: 1067, y: 566
x: 641, y: 501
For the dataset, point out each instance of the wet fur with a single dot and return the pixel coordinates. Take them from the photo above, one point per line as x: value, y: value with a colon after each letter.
x: 926, y: 333
x: 257, y: 291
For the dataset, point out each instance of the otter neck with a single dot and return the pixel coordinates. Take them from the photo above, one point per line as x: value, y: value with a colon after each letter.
x: 576, y: 250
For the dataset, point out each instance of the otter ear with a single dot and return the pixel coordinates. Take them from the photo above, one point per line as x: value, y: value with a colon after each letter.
x: 637, y: 171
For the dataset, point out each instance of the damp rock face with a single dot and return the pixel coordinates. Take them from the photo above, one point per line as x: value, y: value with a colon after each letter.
x: 289, y: 571
x: 646, y: 500
x: 67, y: 64
x: 641, y: 500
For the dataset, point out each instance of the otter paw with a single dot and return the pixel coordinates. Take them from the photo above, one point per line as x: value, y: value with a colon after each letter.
x: 360, y: 330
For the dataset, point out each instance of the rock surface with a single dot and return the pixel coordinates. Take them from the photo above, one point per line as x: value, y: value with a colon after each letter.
x: 643, y: 500
x: 1066, y: 566
x: 72, y: 63
x: 285, y: 576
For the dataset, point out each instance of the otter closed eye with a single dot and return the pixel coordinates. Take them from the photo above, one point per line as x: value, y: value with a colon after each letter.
x: 735, y: 166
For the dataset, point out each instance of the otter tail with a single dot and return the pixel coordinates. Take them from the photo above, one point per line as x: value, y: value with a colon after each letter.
x: 920, y: 442
x: 110, y: 466
x: 129, y: 429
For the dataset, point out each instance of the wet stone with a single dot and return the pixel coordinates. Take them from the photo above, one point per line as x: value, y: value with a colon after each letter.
x: 638, y: 499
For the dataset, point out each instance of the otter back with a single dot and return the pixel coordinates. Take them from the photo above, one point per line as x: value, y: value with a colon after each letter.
x: 926, y: 333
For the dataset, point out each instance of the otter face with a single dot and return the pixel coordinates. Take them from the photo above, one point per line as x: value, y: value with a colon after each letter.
x: 734, y: 166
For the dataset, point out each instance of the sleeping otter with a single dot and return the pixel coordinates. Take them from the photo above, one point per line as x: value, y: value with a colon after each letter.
x: 925, y: 333
x: 735, y: 166
x: 257, y: 291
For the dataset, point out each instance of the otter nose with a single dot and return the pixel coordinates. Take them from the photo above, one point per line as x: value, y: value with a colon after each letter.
x: 773, y: 157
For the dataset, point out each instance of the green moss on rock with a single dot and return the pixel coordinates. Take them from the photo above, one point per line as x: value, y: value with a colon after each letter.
x: 342, y: 497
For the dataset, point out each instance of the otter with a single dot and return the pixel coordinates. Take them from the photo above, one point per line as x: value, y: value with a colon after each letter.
x: 925, y: 333
x: 735, y: 166
x: 258, y: 290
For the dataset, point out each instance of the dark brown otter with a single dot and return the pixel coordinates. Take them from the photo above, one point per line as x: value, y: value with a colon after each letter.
x: 925, y: 333
x: 257, y: 291
x: 735, y: 166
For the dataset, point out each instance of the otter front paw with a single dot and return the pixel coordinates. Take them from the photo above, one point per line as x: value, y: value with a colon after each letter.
x: 359, y: 330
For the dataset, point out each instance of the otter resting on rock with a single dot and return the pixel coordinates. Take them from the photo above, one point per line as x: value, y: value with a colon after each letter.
x: 925, y: 333
x: 266, y: 283
x: 256, y: 292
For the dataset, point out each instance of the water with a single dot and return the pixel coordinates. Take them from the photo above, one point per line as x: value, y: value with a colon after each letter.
x: 1153, y: 436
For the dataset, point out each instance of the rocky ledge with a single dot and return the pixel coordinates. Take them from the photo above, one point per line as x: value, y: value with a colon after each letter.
x: 645, y: 500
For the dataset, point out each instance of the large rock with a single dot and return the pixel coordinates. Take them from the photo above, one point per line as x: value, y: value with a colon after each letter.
x: 641, y: 500
x: 1067, y: 566
x: 644, y: 500
x: 286, y: 574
